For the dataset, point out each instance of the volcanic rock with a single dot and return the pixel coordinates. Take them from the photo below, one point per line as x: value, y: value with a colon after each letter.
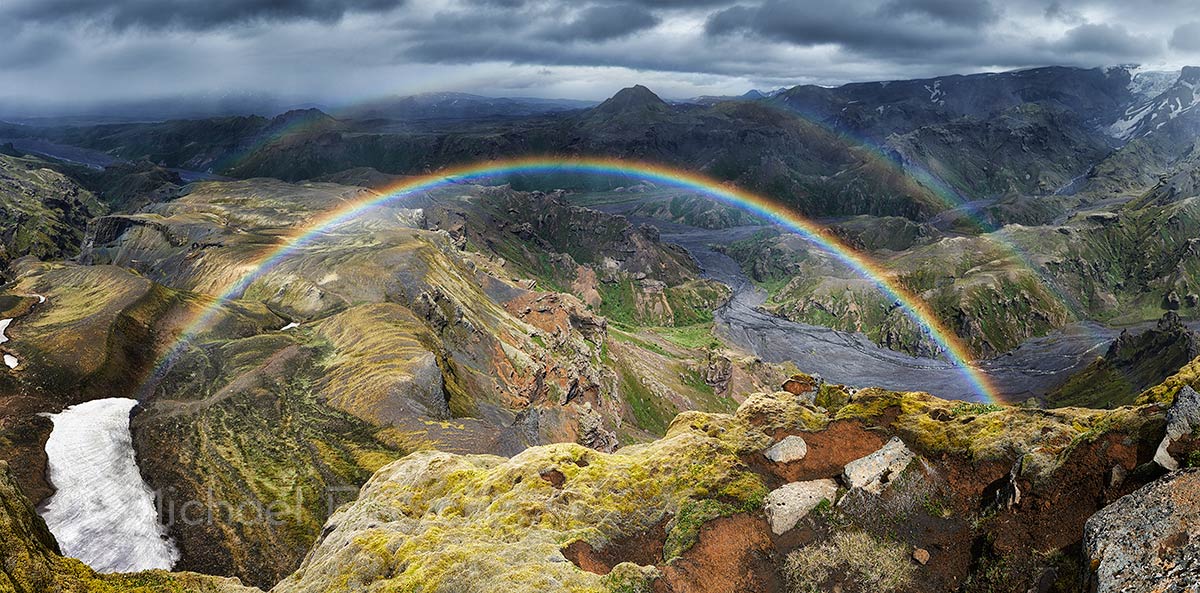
x: 791, y: 448
x: 873, y: 472
x: 788, y: 504
x: 1148, y: 540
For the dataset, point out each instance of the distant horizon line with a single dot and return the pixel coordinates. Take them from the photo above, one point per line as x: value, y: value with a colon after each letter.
x: 225, y: 103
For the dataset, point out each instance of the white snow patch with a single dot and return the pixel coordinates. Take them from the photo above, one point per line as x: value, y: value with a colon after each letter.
x: 935, y: 93
x: 11, y: 361
x: 102, y: 512
x: 4, y: 326
x: 1125, y: 127
x: 292, y: 325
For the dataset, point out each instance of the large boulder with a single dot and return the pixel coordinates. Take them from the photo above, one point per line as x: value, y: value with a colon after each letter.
x: 1148, y: 540
x: 1182, y: 419
x: 791, y: 448
x: 873, y: 472
x: 788, y: 504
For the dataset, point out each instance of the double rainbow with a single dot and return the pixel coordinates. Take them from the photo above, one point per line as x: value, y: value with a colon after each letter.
x: 913, y: 305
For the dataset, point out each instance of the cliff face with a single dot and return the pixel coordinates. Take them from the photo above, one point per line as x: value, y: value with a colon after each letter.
x: 892, y: 491
x: 801, y: 490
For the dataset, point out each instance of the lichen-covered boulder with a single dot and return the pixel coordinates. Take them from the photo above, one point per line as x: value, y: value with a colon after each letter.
x: 873, y: 472
x: 788, y: 504
x: 1148, y: 540
x: 439, y: 522
x: 791, y: 448
x: 1182, y: 419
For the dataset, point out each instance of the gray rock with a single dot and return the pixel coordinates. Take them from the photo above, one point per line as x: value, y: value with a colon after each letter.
x: 592, y: 433
x: 792, y: 448
x: 1148, y: 540
x: 790, y: 503
x: 873, y: 472
x: 1182, y: 419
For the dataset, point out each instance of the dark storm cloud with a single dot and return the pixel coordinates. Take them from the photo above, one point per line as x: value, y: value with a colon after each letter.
x: 187, y: 14
x: 970, y: 13
x: 901, y: 25
x: 612, y: 21
x: 333, y: 49
x: 1056, y: 11
x: 1186, y: 37
x: 1113, y: 41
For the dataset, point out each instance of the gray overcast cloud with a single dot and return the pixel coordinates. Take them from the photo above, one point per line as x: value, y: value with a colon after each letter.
x: 70, y: 53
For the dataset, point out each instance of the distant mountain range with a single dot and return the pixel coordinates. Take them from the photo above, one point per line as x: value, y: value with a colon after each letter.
x: 1038, y: 132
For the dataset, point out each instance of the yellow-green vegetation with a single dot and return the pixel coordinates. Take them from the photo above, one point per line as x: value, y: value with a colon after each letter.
x: 628, y: 577
x: 254, y: 435
x: 832, y: 397
x: 437, y: 522
x: 1115, y: 268
x: 381, y: 364
x: 1165, y: 392
x: 993, y: 432
x: 698, y: 336
x: 854, y: 560
x: 101, y: 327
x: 650, y: 412
x: 1134, y: 362
x: 684, y: 529
x: 45, y: 212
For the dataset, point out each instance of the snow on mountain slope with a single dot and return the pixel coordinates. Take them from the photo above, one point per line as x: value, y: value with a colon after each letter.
x: 1144, y: 118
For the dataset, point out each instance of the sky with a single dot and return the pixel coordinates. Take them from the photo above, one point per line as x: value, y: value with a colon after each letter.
x: 72, y: 54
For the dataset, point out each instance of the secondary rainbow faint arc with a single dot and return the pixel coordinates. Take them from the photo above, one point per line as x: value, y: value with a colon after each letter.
x: 913, y: 305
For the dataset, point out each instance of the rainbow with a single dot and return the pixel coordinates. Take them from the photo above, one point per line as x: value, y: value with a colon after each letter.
x: 954, y: 348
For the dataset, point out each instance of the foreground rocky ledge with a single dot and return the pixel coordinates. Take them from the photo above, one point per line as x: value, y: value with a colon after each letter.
x: 889, y: 492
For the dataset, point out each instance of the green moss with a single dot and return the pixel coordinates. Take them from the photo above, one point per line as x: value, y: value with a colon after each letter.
x: 627, y: 577
x: 618, y: 303
x: 650, y: 412
x: 697, y: 336
x: 960, y: 409
x: 832, y: 397
x: 1165, y: 392
x: 684, y: 529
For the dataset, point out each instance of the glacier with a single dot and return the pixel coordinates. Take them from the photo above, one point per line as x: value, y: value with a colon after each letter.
x: 102, y: 512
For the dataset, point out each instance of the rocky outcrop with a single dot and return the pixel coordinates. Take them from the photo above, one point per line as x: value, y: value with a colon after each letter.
x: 704, y: 510
x: 791, y: 448
x: 1183, y: 420
x: 1148, y: 540
x: 1133, y: 363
